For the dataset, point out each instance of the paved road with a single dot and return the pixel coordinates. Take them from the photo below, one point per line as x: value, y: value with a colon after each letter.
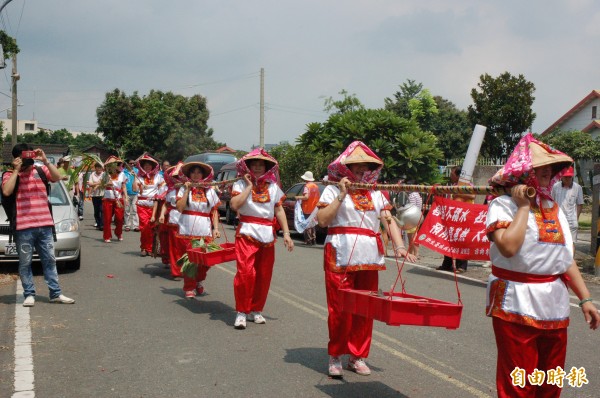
x: 132, y: 334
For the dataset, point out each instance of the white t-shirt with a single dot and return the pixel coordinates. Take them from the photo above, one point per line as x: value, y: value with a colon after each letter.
x: 150, y: 189
x: 546, y: 250
x: 202, y: 201
x: 95, y: 179
x: 353, y: 249
x: 265, y: 210
x: 171, y: 200
x: 568, y: 199
x: 114, y: 189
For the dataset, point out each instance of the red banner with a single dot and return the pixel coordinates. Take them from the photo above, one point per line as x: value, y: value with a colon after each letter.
x: 456, y: 229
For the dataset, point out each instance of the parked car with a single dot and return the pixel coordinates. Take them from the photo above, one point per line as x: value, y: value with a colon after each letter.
x: 215, y: 160
x: 289, y: 205
x: 227, y: 172
x: 67, y: 247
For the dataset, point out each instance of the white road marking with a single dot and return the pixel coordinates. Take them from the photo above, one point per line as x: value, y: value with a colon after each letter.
x: 24, y: 376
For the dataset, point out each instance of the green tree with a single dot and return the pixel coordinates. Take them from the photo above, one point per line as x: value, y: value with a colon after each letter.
x: 348, y: 103
x: 167, y: 125
x: 294, y: 160
x: 452, y: 128
x: 400, y: 103
x: 502, y: 104
x: 402, y: 145
x: 9, y: 45
x: 577, y: 144
x: 86, y: 140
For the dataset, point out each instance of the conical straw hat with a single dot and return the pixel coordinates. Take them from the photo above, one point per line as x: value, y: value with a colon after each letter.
x: 358, y: 155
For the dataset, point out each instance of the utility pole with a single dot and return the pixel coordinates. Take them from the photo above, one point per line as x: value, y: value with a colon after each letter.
x: 262, y: 108
x: 15, y: 120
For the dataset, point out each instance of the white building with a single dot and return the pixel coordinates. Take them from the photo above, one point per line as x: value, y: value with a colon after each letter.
x: 23, y: 126
x: 583, y: 116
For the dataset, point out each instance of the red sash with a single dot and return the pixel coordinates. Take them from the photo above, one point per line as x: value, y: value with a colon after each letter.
x: 523, y: 277
x: 256, y: 220
x: 357, y: 231
x: 196, y: 213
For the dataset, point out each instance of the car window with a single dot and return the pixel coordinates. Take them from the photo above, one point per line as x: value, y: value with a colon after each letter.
x: 294, y: 191
x: 58, y: 195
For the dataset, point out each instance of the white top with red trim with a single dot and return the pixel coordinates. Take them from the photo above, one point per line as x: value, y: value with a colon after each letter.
x: 32, y: 199
x: 114, y: 189
x: 199, y: 200
x: 265, y: 210
x: 149, y: 188
x: 352, y: 249
x: 546, y: 250
x: 171, y: 201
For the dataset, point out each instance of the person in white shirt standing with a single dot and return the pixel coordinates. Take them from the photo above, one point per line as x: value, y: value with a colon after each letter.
x: 569, y: 196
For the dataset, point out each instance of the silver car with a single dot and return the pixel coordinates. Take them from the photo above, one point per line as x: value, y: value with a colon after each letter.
x: 67, y: 247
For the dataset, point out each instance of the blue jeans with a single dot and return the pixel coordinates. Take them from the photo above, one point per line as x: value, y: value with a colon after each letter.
x: 41, y: 238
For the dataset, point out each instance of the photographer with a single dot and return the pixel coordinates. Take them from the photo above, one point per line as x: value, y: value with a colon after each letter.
x: 34, y: 221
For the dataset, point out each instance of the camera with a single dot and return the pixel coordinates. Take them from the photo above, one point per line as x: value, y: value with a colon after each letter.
x: 28, y: 155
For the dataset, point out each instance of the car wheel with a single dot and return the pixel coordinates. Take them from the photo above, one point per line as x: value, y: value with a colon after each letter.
x: 229, y: 216
x: 74, y: 265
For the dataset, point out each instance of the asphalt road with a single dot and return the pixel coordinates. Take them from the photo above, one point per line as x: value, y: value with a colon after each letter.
x: 131, y: 333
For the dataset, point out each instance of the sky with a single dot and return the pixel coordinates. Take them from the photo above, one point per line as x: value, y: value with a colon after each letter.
x: 75, y: 51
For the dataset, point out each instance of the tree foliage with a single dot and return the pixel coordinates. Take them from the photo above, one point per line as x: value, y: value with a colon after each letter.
x: 58, y: 137
x: 452, y: 128
x: 167, y: 125
x: 9, y: 45
x: 294, y: 160
x: 404, y: 148
x: 577, y: 144
x: 502, y: 104
x: 433, y: 113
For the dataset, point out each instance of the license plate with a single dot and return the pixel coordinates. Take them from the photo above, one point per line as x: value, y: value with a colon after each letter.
x: 11, y: 250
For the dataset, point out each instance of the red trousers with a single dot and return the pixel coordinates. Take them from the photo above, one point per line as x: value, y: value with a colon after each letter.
x: 175, y: 250
x: 146, y: 227
x: 348, y: 333
x: 163, y: 236
x: 191, y: 283
x: 527, y: 348
x: 110, y: 207
x: 253, y: 278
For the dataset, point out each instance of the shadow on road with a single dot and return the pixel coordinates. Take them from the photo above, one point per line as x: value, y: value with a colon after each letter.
x: 366, y: 389
x: 216, y: 310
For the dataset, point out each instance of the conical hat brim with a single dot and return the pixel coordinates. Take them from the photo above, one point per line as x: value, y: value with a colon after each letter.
x: 358, y: 155
x: 541, y: 157
x: 206, y: 169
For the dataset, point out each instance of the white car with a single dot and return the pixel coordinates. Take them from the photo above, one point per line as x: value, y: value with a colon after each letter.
x: 67, y: 248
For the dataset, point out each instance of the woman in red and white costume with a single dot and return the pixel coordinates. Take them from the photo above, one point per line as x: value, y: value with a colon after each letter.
x: 169, y: 218
x: 257, y: 198
x: 198, y: 218
x: 115, y: 196
x: 147, y: 183
x: 354, y: 251
x: 531, y: 249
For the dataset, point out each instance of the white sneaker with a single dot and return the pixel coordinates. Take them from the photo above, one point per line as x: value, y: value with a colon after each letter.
x: 256, y: 317
x: 240, y: 321
x: 29, y: 301
x: 335, y: 366
x: 62, y: 300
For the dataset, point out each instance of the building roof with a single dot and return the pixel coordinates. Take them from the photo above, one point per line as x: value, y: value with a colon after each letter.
x: 225, y: 149
x: 47, y: 148
x: 595, y: 124
x: 590, y: 97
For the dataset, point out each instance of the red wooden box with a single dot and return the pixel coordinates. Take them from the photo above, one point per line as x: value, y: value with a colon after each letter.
x: 199, y: 255
x: 401, y: 308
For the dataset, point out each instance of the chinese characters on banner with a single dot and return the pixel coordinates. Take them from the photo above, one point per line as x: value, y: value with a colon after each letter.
x: 456, y: 229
